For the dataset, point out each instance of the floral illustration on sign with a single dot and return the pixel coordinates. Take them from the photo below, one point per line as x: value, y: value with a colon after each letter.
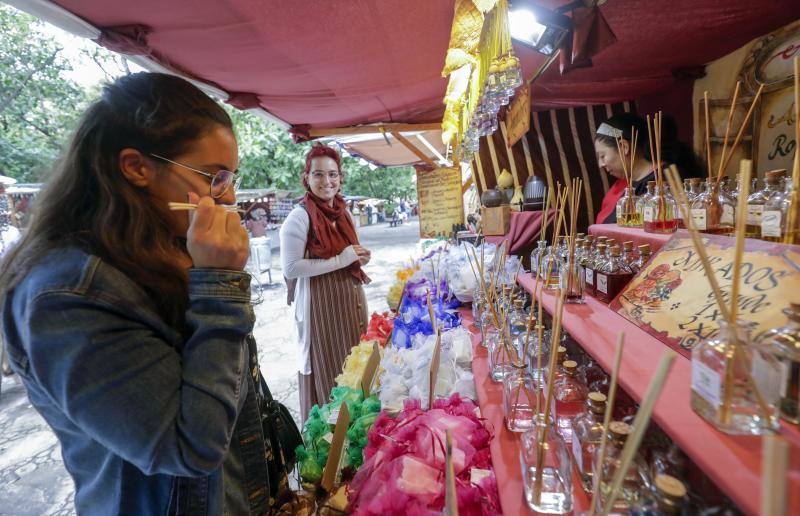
x: 654, y: 288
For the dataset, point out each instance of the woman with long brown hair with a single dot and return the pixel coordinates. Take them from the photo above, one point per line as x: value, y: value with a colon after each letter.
x: 129, y: 323
x: 322, y: 261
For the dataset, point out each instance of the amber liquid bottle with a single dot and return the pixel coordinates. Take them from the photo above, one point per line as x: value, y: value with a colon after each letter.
x: 612, y: 277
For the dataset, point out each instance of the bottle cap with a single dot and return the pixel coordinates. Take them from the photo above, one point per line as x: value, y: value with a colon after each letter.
x: 581, y: 235
x: 615, y: 251
x: 619, y: 431
x: 695, y: 181
x: 601, y: 247
x: 562, y: 350
x: 597, y: 397
x: 601, y: 239
x: 570, y: 364
x: 590, y: 238
x: 670, y: 486
x: 628, y: 246
x: 596, y: 402
x: 644, y: 249
x: 651, y: 183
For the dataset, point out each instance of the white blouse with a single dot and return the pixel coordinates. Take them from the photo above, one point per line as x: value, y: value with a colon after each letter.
x: 294, y: 233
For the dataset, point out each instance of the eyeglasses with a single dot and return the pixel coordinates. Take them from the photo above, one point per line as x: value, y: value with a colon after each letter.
x: 319, y: 176
x: 220, y: 182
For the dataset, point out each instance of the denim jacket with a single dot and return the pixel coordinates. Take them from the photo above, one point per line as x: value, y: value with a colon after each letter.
x: 146, y: 417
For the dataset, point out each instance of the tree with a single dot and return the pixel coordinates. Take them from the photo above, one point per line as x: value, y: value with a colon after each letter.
x: 38, y: 104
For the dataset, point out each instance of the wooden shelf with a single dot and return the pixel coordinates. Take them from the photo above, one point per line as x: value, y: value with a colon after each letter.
x: 732, y: 462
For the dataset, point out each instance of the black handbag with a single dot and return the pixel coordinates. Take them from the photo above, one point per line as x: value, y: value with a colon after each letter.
x: 280, y: 428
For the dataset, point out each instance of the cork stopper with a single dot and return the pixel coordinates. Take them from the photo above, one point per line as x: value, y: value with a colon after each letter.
x: 619, y: 431
x: 570, y: 365
x: 615, y: 251
x: 611, y: 242
x: 644, y: 249
x: 670, y: 487
x: 601, y: 248
x: 651, y: 184
x: 590, y: 238
x: 774, y: 177
x: 601, y: 240
x: 628, y: 246
x: 695, y: 181
x: 581, y: 236
x: 561, y: 351
x: 596, y: 402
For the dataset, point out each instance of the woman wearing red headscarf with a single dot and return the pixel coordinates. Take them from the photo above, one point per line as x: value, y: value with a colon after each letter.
x: 322, y: 260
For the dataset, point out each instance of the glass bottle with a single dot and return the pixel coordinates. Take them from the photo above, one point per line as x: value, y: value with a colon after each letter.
x: 712, y: 211
x: 756, y: 202
x: 644, y: 198
x: 562, y: 356
x: 537, y: 255
x: 597, y: 261
x: 627, y: 216
x: 635, y: 482
x: 723, y: 386
x: 572, y: 280
x: 628, y: 253
x: 537, y: 361
x: 644, y: 257
x: 593, y: 376
x: 784, y: 345
x: 550, y: 267
x: 519, y: 399
x: 773, y: 219
x: 478, y: 300
x: 500, y: 358
x: 671, y: 461
x: 552, y: 459
x: 590, y: 240
x: 695, y: 190
x: 597, y: 241
x: 570, y: 397
x: 563, y: 247
x: 662, y: 211
x: 587, y: 434
x: 667, y: 498
x: 585, y: 264
x: 612, y: 276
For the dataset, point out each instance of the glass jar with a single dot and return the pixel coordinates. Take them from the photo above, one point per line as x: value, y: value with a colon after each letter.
x: 537, y: 255
x: 660, y: 212
x: 635, y: 482
x: 667, y: 498
x: 550, y: 267
x: 612, y: 276
x: 549, y: 463
x: 587, y: 434
x: 572, y: 280
x: 519, y: 399
x: 570, y: 397
x: 757, y: 200
x: 723, y: 387
x: 784, y: 345
x: 627, y: 216
x: 712, y: 212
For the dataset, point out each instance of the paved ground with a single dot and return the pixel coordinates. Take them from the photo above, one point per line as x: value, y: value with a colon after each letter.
x: 33, y: 481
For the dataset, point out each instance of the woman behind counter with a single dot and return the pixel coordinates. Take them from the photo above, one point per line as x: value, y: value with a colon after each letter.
x: 322, y: 259
x: 610, y: 162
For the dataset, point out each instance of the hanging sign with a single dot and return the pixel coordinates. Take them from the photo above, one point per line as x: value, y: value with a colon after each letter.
x: 672, y: 300
x: 441, y: 204
x: 518, y: 119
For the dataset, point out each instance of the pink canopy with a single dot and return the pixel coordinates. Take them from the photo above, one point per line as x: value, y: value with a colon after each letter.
x: 349, y: 62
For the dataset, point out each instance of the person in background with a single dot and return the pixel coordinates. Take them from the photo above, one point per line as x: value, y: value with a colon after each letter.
x: 129, y: 324
x: 610, y: 161
x: 322, y: 261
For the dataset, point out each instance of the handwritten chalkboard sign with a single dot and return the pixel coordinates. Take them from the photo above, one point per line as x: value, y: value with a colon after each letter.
x: 440, y: 202
x: 671, y: 299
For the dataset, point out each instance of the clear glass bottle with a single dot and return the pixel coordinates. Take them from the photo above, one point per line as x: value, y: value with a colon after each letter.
x: 671, y: 461
x: 756, y: 202
x: 551, y: 458
x: 519, y: 399
x: 562, y: 356
x: 597, y: 241
x: 585, y: 264
x: 570, y: 397
x: 644, y: 200
x: 612, y: 276
x: 629, y: 255
x: 563, y: 247
x: 587, y: 434
x: 713, y: 212
x: 636, y: 480
x: 723, y: 386
x: 500, y: 358
x: 597, y: 260
x: 627, y: 216
x: 662, y: 212
x: 667, y: 498
x: 572, y: 280
x: 644, y: 257
x: 537, y: 255
x: 784, y: 345
x: 537, y: 360
x: 593, y: 376
x: 774, y: 217
x: 478, y: 300
x: 551, y: 264
x: 695, y: 183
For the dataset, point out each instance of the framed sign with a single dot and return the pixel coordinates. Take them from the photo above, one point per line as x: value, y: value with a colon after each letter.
x: 672, y: 300
x: 441, y: 204
x: 518, y: 119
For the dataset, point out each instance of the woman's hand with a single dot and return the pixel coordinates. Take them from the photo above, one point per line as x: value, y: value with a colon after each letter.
x: 216, y: 238
x: 363, y: 253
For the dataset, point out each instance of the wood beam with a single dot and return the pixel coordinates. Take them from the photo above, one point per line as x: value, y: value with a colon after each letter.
x: 372, y: 129
x: 410, y: 146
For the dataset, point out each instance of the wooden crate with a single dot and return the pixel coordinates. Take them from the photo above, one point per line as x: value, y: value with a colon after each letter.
x: 496, y: 221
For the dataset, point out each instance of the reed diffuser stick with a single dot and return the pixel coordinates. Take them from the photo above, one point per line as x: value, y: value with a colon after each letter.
x: 728, y: 128
x: 791, y: 235
x: 597, y: 475
x: 739, y: 134
x: 709, y: 165
x: 640, y: 423
x: 774, y: 473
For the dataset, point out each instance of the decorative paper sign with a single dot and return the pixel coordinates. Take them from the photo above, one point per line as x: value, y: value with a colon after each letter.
x: 672, y: 300
x: 440, y: 202
x: 334, y: 463
x: 434, y: 372
x: 518, y: 118
x: 369, y: 371
x: 450, y: 496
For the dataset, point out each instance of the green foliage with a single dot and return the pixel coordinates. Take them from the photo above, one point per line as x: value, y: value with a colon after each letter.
x: 38, y: 104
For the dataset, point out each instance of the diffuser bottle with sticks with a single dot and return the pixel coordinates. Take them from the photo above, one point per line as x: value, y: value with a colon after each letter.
x: 627, y: 215
x: 587, y: 433
x: 784, y: 344
x: 519, y: 399
x: 536, y: 257
x: 570, y: 394
x: 546, y: 470
x: 712, y: 212
x: 635, y: 481
x: 551, y: 263
x: 586, y: 263
x: 661, y: 212
x: 724, y: 390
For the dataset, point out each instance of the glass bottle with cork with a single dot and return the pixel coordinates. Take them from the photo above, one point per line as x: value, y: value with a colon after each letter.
x: 570, y: 397
x: 667, y: 498
x: 641, y: 261
x: 612, y: 276
x: 587, y: 433
x: 636, y: 480
x: 586, y: 264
